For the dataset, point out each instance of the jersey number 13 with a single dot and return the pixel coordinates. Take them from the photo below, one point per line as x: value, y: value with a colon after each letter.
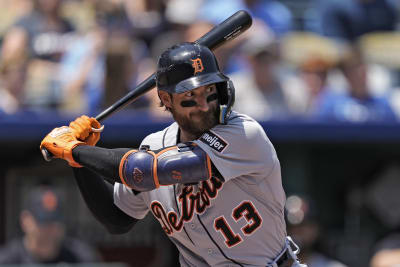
x: 245, y: 209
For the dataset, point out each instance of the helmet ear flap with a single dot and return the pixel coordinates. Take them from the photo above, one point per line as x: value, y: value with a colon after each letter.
x: 222, y: 93
x: 226, y: 97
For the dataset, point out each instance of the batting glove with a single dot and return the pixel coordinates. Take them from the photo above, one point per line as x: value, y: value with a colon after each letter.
x: 60, y: 142
x: 86, y: 129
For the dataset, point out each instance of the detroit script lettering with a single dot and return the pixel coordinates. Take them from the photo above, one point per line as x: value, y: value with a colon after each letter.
x: 190, y: 204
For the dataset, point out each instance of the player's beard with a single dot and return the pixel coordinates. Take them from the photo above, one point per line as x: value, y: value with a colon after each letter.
x: 203, y: 122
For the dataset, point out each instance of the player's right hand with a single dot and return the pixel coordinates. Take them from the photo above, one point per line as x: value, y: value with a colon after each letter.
x: 83, y: 127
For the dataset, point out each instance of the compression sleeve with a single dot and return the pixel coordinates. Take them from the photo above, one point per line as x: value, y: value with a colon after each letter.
x: 98, y: 195
x: 103, y: 161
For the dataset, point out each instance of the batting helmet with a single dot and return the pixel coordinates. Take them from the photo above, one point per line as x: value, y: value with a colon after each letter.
x: 187, y: 66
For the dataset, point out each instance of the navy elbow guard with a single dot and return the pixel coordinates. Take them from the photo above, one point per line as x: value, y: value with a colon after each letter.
x: 145, y: 170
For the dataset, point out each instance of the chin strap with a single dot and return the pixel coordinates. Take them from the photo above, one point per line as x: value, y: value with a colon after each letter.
x: 228, y: 97
x: 223, y: 114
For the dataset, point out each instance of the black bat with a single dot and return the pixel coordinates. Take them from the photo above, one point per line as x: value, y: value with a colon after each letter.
x: 217, y: 36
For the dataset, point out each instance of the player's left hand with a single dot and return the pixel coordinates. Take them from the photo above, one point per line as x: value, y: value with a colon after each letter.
x: 60, y: 142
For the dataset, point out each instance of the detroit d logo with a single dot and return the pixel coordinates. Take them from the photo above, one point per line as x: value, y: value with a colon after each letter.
x: 197, y: 65
x: 177, y: 175
x: 137, y: 175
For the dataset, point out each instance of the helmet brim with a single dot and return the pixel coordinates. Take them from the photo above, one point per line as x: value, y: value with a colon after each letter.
x: 197, y: 81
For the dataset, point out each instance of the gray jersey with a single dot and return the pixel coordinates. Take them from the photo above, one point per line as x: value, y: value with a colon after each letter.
x: 240, y: 220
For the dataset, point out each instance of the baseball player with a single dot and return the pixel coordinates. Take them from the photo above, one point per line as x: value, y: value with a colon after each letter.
x: 212, y: 178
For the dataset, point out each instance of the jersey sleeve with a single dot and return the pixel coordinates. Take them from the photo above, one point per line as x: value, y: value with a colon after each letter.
x: 240, y: 148
x: 128, y: 202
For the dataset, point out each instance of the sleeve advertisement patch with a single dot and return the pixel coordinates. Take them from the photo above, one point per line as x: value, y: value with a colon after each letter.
x: 214, y: 141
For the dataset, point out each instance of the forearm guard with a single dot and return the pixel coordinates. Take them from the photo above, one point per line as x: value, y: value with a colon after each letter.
x: 145, y: 170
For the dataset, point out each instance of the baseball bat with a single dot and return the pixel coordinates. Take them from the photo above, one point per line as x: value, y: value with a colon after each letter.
x: 217, y: 36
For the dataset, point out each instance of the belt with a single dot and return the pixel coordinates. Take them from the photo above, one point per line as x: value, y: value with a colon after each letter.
x: 285, y: 260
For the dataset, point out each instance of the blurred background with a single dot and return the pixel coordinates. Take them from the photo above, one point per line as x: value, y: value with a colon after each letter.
x: 321, y: 76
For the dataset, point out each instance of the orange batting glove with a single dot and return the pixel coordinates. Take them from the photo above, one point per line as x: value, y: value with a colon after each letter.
x: 60, y: 142
x: 83, y: 127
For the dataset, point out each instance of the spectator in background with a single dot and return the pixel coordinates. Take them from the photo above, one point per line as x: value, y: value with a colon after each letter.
x: 12, y: 83
x: 349, y: 19
x: 260, y: 93
x: 356, y: 103
x: 81, y: 72
x: 146, y: 17
x: 11, y: 10
x: 103, y: 64
x: 46, y: 34
x: 387, y: 252
x: 303, y: 227
x: 309, y: 60
x: 309, y: 85
x: 44, y: 239
x: 180, y: 15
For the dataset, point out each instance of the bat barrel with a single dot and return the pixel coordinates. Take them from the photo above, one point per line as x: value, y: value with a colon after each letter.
x: 140, y: 90
x: 226, y: 30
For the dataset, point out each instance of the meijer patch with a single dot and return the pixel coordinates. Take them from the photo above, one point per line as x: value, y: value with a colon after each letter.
x: 214, y: 141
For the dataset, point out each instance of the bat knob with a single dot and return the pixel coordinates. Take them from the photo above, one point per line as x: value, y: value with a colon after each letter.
x: 46, y: 154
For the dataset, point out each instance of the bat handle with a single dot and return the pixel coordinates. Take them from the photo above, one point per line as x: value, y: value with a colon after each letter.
x: 46, y: 154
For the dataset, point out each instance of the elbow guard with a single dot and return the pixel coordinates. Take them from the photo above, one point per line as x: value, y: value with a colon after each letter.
x: 145, y: 170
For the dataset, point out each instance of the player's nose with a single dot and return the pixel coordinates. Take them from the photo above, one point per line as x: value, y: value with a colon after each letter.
x: 202, y: 103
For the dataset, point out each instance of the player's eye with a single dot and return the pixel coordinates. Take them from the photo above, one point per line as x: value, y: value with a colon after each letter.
x: 189, y: 94
x: 210, y: 88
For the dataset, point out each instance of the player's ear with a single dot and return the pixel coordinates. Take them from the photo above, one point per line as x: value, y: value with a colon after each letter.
x: 165, y: 98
